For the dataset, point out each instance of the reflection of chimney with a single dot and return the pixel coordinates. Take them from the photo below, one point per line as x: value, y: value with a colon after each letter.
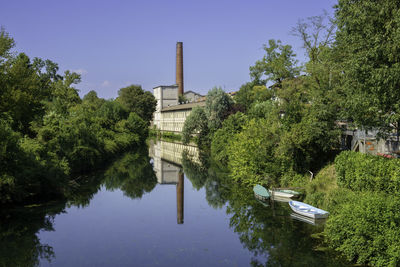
x: 179, y: 67
x: 179, y: 199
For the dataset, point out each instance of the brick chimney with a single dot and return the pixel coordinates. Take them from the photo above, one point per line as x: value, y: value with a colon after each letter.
x: 179, y: 67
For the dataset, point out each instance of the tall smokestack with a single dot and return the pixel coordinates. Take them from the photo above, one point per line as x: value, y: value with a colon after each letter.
x: 179, y: 67
x: 179, y: 199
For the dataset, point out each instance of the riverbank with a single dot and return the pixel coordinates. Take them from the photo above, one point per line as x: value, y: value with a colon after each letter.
x: 361, y: 193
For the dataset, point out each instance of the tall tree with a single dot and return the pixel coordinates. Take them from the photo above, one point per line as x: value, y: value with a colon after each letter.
x: 218, y: 103
x: 368, y: 41
x: 277, y: 64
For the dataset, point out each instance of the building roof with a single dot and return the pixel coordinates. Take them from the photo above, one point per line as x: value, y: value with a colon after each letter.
x: 187, y: 92
x: 184, y: 106
x: 173, y: 85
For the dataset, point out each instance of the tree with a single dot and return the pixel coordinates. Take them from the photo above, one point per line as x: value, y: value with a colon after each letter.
x: 278, y: 64
x: 368, y: 42
x: 232, y: 125
x: 218, y: 104
x: 23, y: 90
x: 6, y: 44
x: 135, y: 99
x: 196, y: 124
x: 63, y: 95
x: 251, y: 92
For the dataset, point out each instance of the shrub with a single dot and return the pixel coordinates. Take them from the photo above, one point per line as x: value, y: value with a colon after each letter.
x: 232, y: 125
x: 366, y: 229
x: 363, y: 172
x: 251, y: 154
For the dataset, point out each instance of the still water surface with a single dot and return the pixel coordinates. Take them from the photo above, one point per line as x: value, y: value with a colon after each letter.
x: 159, y: 210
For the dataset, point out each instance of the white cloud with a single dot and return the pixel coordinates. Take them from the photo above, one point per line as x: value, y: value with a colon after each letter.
x: 80, y: 71
x: 106, y: 83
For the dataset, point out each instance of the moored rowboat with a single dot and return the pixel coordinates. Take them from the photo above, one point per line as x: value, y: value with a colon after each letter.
x: 283, y: 193
x: 308, y: 210
x: 261, y: 192
x: 305, y: 219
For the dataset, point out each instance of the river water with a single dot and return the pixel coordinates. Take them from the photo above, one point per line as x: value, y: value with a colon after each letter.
x: 161, y: 208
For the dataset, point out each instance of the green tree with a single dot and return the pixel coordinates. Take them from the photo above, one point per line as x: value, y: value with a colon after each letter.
x: 22, y: 91
x: 196, y: 124
x: 220, y: 141
x: 251, y: 153
x: 278, y: 64
x: 135, y: 99
x: 6, y: 44
x: 218, y: 104
x: 368, y: 43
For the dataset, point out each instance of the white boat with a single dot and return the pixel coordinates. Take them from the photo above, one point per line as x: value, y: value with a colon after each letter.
x: 308, y: 210
x: 308, y: 220
x: 283, y: 193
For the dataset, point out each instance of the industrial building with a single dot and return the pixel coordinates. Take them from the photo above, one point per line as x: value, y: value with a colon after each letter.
x: 170, y: 115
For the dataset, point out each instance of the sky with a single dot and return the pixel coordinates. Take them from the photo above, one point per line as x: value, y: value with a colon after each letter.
x: 113, y: 44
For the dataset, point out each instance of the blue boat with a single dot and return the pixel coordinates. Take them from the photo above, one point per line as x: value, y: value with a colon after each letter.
x: 261, y: 192
x: 308, y: 210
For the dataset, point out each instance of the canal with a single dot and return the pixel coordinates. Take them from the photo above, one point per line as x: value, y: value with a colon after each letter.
x: 163, y: 206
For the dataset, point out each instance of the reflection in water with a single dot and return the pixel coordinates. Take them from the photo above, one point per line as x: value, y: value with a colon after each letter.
x: 265, y: 230
x: 19, y: 244
x: 167, y: 160
x: 19, y: 227
x: 133, y: 174
x: 268, y: 234
x: 179, y: 199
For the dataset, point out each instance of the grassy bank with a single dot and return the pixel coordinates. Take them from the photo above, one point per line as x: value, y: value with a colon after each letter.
x: 364, y: 220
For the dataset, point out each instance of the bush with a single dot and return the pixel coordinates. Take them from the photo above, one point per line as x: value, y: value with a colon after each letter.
x: 363, y: 172
x: 232, y: 125
x: 366, y: 229
x: 251, y: 154
x: 196, y: 123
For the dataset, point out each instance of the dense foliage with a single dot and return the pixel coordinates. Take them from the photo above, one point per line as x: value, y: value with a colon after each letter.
x: 363, y: 172
x: 366, y: 229
x: 49, y: 134
x: 368, y: 43
x: 203, y: 122
x: 364, y: 219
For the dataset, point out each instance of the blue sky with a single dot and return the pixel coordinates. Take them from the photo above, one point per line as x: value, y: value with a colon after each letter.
x: 117, y: 43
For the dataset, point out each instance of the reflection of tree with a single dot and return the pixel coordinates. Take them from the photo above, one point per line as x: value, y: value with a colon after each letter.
x: 268, y: 232
x: 194, y: 171
x: 82, y: 191
x: 19, y: 244
x: 133, y: 174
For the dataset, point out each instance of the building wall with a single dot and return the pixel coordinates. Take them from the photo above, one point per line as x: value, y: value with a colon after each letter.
x: 192, y: 96
x: 166, y: 96
x: 173, y: 121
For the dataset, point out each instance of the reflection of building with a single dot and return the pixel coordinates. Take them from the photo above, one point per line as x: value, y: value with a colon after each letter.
x: 167, y: 157
x: 167, y: 160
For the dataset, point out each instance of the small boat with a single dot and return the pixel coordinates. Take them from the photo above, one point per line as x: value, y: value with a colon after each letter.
x: 308, y: 210
x: 261, y: 192
x: 308, y: 220
x: 280, y: 199
x: 283, y: 193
